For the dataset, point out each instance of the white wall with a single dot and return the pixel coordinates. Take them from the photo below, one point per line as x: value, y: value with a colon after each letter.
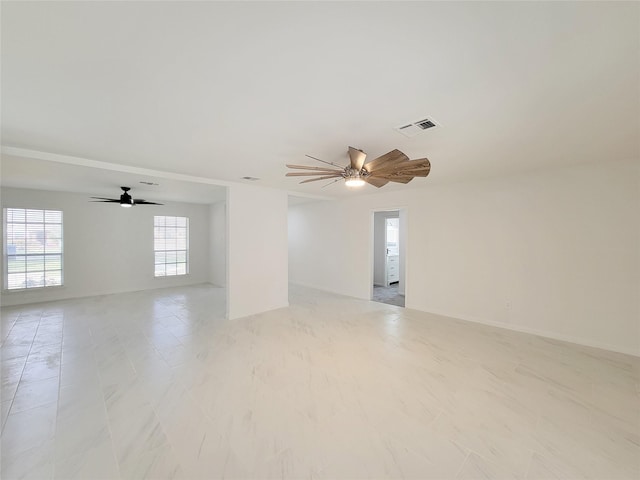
x: 551, y: 252
x: 257, y: 250
x: 218, y: 246
x: 404, y: 222
x: 109, y: 249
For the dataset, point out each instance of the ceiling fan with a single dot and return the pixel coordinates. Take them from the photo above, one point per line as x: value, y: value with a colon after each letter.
x: 125, y: 199
x: 394, y: 166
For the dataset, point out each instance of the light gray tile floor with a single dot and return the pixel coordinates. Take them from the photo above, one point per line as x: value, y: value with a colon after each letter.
x: 388, y: 295
x: 159, y: 385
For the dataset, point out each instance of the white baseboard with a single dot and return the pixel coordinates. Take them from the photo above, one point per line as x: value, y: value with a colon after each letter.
x: 540, y: 333
x: 510, y: 326
x: 250, y: 314
x: 327, y: 290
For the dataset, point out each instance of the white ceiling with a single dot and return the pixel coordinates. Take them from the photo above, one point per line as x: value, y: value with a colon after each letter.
x: 223, y: 90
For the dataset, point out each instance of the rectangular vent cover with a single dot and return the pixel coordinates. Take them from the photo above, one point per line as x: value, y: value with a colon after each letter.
x: 424, y: 124
x: 414, y: 128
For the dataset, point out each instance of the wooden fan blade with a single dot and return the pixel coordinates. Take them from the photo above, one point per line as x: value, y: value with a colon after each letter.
x: 400, y: 179
x: 409, y: 166
x: 107, y: 199
x: 401, y: 173
x: 416, y: 173
x: 357, y: 158
x: 320, y: 169
x: 302, y: 174
x: 394, y: 157
x: 320, y: 178
x: 418, y: 163
x: 376, y: 182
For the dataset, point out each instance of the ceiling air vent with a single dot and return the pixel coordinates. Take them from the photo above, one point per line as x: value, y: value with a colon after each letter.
x: 414, y: 128
x: 424, y: 124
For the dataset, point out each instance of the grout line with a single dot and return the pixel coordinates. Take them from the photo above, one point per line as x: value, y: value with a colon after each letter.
x: 23, y: 367
x: 58, y: 399
x: 528, y: 470
x: 463, y: 464
x: 4, y: 420
x: 104, y: 403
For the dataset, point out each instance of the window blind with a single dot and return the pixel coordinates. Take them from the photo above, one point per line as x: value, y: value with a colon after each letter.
x: 171, y: 245
x: 33, y: 248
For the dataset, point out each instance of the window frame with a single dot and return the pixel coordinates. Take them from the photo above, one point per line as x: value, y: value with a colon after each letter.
x: 6, y: 255
x: 170, y: 251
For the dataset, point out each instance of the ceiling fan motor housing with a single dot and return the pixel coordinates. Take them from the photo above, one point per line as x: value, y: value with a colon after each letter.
x: 125, y: 199
x: 353, y: 173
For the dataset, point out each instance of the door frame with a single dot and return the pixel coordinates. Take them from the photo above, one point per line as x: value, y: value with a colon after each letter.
x: 403, y: 214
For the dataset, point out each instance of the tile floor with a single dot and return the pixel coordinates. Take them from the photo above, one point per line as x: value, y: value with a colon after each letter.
x: 158, y: 385
x: 388, y: 295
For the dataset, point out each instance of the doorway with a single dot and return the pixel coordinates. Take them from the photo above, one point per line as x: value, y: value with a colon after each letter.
x: 388, y: 282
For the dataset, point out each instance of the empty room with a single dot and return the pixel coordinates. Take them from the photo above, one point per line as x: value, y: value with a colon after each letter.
x: 320, y: 240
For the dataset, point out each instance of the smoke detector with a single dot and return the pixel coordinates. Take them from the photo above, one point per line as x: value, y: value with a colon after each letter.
x: 414, y: 128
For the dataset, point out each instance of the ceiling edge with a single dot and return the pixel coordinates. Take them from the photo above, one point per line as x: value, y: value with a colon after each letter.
x: 85, y: 162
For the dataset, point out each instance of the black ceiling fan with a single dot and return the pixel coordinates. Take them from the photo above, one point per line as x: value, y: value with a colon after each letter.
x: 125, y: 199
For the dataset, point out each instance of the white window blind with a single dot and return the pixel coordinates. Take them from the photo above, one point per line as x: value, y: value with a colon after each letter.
x: 171, y: 245
x: 33, y: 248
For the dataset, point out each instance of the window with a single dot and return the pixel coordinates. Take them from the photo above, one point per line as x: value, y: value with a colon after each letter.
x: 171, y: 245
x: 33, y: 248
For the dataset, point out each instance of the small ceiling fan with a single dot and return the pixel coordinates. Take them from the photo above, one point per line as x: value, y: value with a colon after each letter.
x: 394, y: 166
x: 125, y: 199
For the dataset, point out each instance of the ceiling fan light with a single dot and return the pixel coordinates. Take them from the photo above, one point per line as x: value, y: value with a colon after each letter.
x: 126, y: 205
x: 354, y: 180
